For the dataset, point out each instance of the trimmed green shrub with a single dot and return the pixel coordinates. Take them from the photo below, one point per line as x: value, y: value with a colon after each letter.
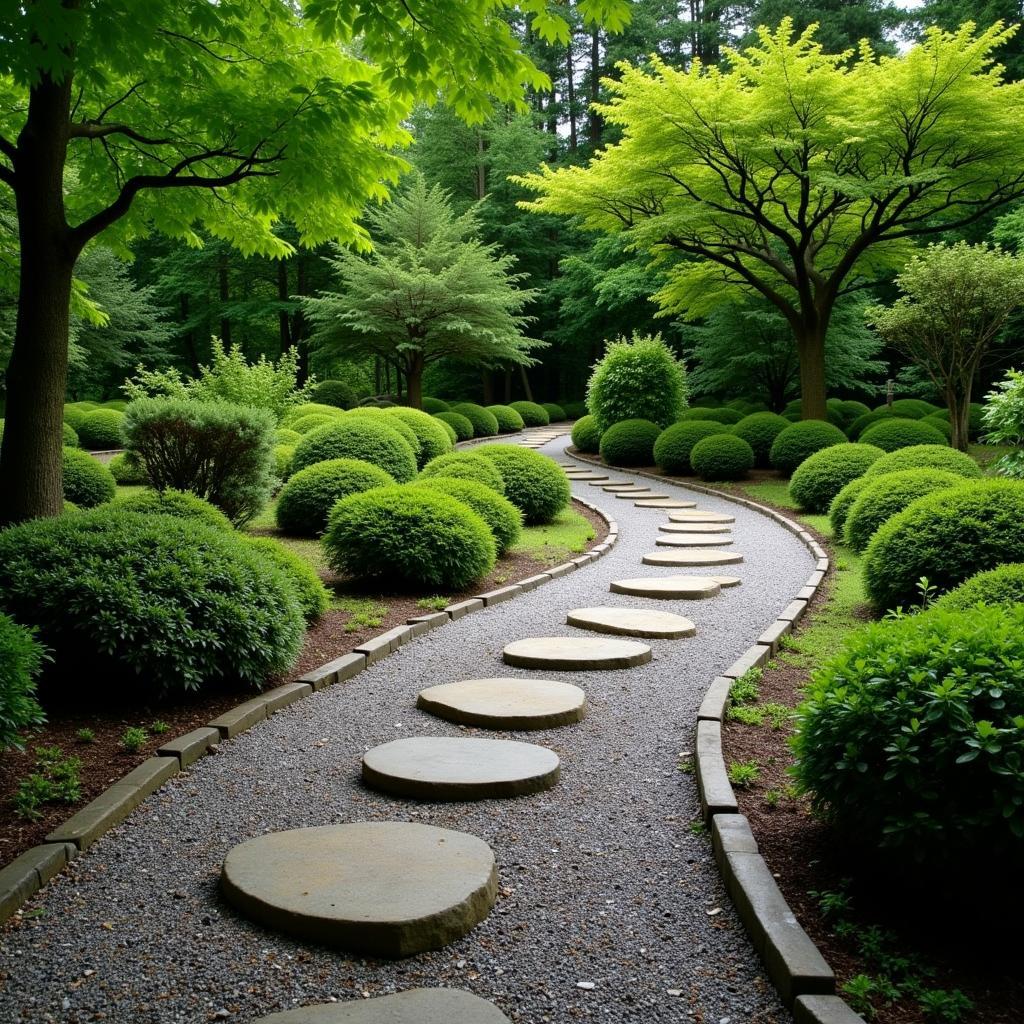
x: 926, y: 456
x: 897, y: 433
x: 638, y: 378
x: 120, y: 404
x: 586, y: 435
x: 852, y: 410
x: 1002, y: 585
x: 358, y: 437
x: 334, y: 392
x: 946, y: 537
x: 533, y: 415
x: 509, y: 421
x: 283, y: 435
x: 435, y: 405
x: 180, y: 504
x: 376, y: 414
x: 794, y: 406
x: 69, y: 438
x: 630, y: 443
x: 102, y: 430
x: 862, y: 422
x: 944, y: 427
x: 432, y: 437
x: 283, y: 455
x: 127, y: 470
x: 574, y: 410
x: 296, y: 412
x: 503, y: 519
x: 801, y: 440
x: 310, y: 591
x: 450, y: 431
x: 888, y: 494
x: 74, y: 416
x: 975, y: 423
x: 724, y: 415
x: 409, y: 536
x: 484, y: 423
x: 86, y: 481
x: 910, y: 408
x: 759, y: 430
x: 821, y: 476
x: 706, y: 402
x: 86, y: 406
x: 909, y: 739
x: 533, y: 483
x: 555, y: 412
x: 722, y: 457
x: 465, y: 466
x: 306, y: 500
x: 462, y: 426
x: 304, y: 424
x: 843, y: 502
x: 222, y: 452
x: 21, y: 659
x: 675, y: 443
x: 154, y: 602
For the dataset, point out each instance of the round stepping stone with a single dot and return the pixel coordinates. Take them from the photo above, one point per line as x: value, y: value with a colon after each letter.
x: 586, y: 476
x: 459, y: 768
x: 612, y: 483
x: 647, y: 497
x: 684, y: 588
x: 699, y: 516
x: 664, y: 502
x: 623, y: 486
x: 376, y: 888
x: 575, y: 653
x: 506, y: 703
x: 695, y: 528
x: 694, y: 540
x: 632, y: 622
x: 415, y: 1006
x: 692, y: 556
x: 727, y: 581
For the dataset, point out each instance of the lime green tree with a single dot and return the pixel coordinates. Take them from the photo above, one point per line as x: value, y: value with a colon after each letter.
x: 798, y: 175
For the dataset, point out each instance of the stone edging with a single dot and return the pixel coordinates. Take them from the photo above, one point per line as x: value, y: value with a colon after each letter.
x: 801, y: 976
x: 30, y: 871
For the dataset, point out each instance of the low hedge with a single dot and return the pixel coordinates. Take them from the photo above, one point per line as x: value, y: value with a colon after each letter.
x: 1002, y: 585
x: 358, y: 437
x: 759, y: 430
x: 509, y: 421
x: 926, y: 456
x: 465, y: 466
x: 462, y: 426
x: 503, y: 519
x: 180, y: 504
x: 533, y: 415
x: 310, y: 591
x: 87, y: 482
x: 821, y: 476
x: 432, y: 437
x: 630, y: 443
x: 722, y: 457
x: 586, y: 435
x: 801, y: 440
x: 893, y: 434
x: 533, y: 483
x: 305, y: 502
x: 674, y: 445
x: 484, y: 422
x: 21, y: 659
x: 101, y: 430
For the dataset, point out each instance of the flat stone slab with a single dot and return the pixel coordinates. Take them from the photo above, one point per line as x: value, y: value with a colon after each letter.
x: 586, y: 476
x: 655, y: 501
x: 695, y: 528
x: 506, y: 703
x: 576, y: 653
x: 624, y: 486
x: 632, y: 622
x: 684, y: 588
x: 459, y: 768
x: 646, y: 497
x: 611, y: 483
x: 376, y: 888
x: 700, y: 516
x: 694, y: 540
x: 415, y: 1006
x: 692, y: 556
x: 727, y: 581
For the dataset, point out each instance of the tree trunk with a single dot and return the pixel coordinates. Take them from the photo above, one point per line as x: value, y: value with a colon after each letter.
x: 959, y: 403
x: 508, y: 387
x: 810, y: 346
x: 595, y: 124
x: 414, y: 381
x: 527, y: 390
x: 488, y: 382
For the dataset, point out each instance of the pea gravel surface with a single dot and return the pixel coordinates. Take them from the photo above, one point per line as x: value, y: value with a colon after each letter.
x: 610, y: 906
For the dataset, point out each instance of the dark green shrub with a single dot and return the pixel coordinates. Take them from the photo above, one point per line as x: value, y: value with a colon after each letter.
x: 283, y: 455
x: 462, y: 426
x: 358, y: 437
x: 376, y: 415
x: 852, y: 410
x: 533, y: 483
x: 946, y: 537
x: 409, y: 536
x: 334, y: 392
x: 706, y: 402
x: 888, y: 494
x: 86, y: 481
x: 296, y: 412
x: 102, y: 430
x: 509, y: 421
x: 533, y: 415
x: 759, y: 430
x: 306, y: 500
x: 801, y: 440
x: 465, y: 466
x: 453, y: 438
x: 586, y: 435
x: 157, y: 603
x: 944, y: 427
x: 120, y: 404
x: 1002, y: 585
x: 432, y: 437
x: 843, y: 502
x: 180, y: 504
x: 284, y: 435
x: 69, y: 438
x: 910, y: 738
x: 726, y: 416
x: 675, y: 443
x: 821, y: 476
x: 222, y: 452
x: 722, y: 457
x: 304, y: 424
x: 484, y: 423
x: 911, y: 408
x: 975, y: 424
x: 555, y: 412
x: 926, y: 456
x: 435, y: 405
x: 21, y: 658
x: 574, y: 410
x: 74, y: 416
x: 503, y: 519
x: 897, y: 433
x: 866, y: 420
x: 630, y: 443
x: 310, y: 591
x: 127, y: 471
x: 794, y: 407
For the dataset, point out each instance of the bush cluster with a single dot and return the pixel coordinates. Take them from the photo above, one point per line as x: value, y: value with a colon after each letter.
x: 509, y: 421
x: 21, y: 659
x: 895, y: 433
x: 841, y: 504
x: 532, y: 414
x: 728, y: 417
x: 127, y: 470
x: 821, y: 476
x: 306, y: 500
x: 801, y: 440
x: 283, y: 455
x: 630, y: 443
x: 503, y: 519
x: 911, y: 408
x: 533, y: 483
x: 866, y: 420
x: 586, y: 435
x: 86, y: 481
x: 297, y: 412
x: 462, y: 426
x: 674, y: 445
x: 375, y: 414
x: 358, y: 437
x: 484, y: 422
x: 759, y: 430
x: 465, y: 466
x: 722, y: 457
x: 304, y: 424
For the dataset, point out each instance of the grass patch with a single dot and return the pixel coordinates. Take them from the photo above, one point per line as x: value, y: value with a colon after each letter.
x: 568, y: 534
x: 771, y: 492
x: 433, y: 604
x: 364, y: 612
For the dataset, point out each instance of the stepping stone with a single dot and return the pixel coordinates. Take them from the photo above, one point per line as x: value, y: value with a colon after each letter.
x: 657, y: 501
x: 694, y: 540
x: 415, y: 1006
x: 698, y: 516
x: 632, y: 622
x: 692, y: 556
x: 375, y: 888
x: 695, y: 528
x: 624, y: 485
x: 576, y: 653
x: 612, y: 483
x: 727, y: 581
x: 650, y: 496
x: 586, y: 476
x: 683, y: 588
x: 459, y: 768
x: 506, y: 703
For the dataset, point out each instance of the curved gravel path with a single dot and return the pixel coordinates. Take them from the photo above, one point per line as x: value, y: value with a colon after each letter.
x: 603, y: 881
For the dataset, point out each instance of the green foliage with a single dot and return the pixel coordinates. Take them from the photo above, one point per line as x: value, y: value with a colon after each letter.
x: 484, y: 422
x: 127, y: 471
x: 69, y: 438
x: 821, y: 476
x: 556, y: 413
x: 943, y: 426
x: 334, y: 392
x: 181, y: 504
x: 434, y: 405
x: 841, y: 504
x: 675, y: 443
x: 85, y: 735
x: 630, y: 443
x: 462, y: 426
x: 87, y: 482
x: 913, y: 408
x: 465, y: 466
x: 926, y: 456
x: 746, y: 690
x: 866, y: 420
x: 432, y: 437
x: 509, y: 421
x: 308, y: 587
x: 975, y: 420
x: 726, y: 416
x: 533, y: 415
x: 283, y: 455
x: 358, y: 437
x: 722, y: 457
x: 895, y: 433
x: 299, y: 412
x: 743, y: 773
x: 57, y: 779
x: 759, y: 430
x: 133, y: 739
x: 503, y: 519
x: 306, y: 500
x: 376, y: 413
x: 101, y: 430
x: 1003, y: 418
x: 74, y: 415
x: 21, y: 659
x: 304, y: 424
x: 533, y: 483
x: 586, y: 435
x: 1002, y: 585
x: 285, y: 436
x: 801, y: 440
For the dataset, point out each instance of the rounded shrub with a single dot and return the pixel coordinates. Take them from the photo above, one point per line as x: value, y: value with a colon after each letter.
x: 334, y: 392
x: 296, y: 412
x: 68, y: 436
x: 574, y: 410
x: 675, y: 443
x: 888, y: 494
x: 821, y: 476
x: 304, y: 424
x: 306, y: 500
x: 533, y: 483
x: 586, y: 435
x: 722, y: 457
x: 630, y: 443
x: 533, y: 415
x: 120, y: 404
x: 180, y: 504
x: 462, y: 426
x: 21, y: 658
x: 465, y: 466
x: 410, y: 536
x: 283, y: 455
x: 975, y: 423
x: 101, y: 430
x: 896, y: 433
x: 947, y: 537
x: 1002, y: 585
x: 484, y: 423
x: 503, y: 519
x: 432, y: 437
x: 841, y: 504
x: 866, y: 420
x: 127, y: 470
x: 283, y: 435
x: 153, y: 602
x: 944, y: 427
x: 86, y: 481
x: 909, y: 738
x: 450, y: 431
x: 800, y: 440
x: 555, y: 412
x: 728, y: 417
x: 310, y: 591
x: 434, y: 405
x: 911, y: 408
x: 74, y: 416
x: 794, y: 407
x: 358, y: 437
x: 926, y: 456
x: 377, y: 415
x: 509, y: 421
x: 759, y: 430
x: 852, y: 409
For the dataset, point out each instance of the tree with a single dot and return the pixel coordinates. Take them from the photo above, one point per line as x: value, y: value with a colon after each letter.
x: 797, y: 175
x: 430, y: 290
x: 948, y: 14
x: 842, y: 24
x: 956, y: 299
x: 228, y: 116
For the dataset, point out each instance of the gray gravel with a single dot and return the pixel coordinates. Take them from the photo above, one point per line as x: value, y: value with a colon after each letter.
x: 604, y: 883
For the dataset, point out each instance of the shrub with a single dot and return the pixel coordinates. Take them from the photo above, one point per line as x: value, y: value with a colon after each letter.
x: 897, y: 433
x: 630, y: 443
x: 358, y: 437
x: 759, y: 430
x: 675, y: 443
x: 869, y: 419
x: 180, y: 504
x: 304, y: 424
x: 911, y: 408
x: 68, y: 436
x: 222, y: 452
x: 74, y: 416
x: 376, y: 414
x: 127, y: 470
x: 926, y: 456
x: 435, y: 405
x: 154, y: 602
x: 334, y: 392
x: 944, y: 427
x: 574, y: 410
x: 283, y: 455
x: 450, y: 431
x: 283, y: 435
x: 410, y: 536
x: 586, y: 435
x: 1004, y: 422
x: 533, y: 483
x: 555, y: 412
x: 432, y: 437
x: 843, y: 502
x: 484, y: 423
x: 801, y: 440
x: 533, y: 415
x: 852, y: 410
x: 909, y: 738
x: 306, y: 500
x: 638, y: 378
x: 1002, y: 585
x: 722, y: 457
x: 975, y: 419
x: 821, y: 476
x: 503, y: 519
x: 462, y: 426
x: 946, y: 537
x: 310, y: 591
x: 102, y: 430
x: 21, y: 658
x: 297, y: 412
x: 726, y: 416
x: 465, y: 466
x: 86, y: 481
x: 886, y: 495
x: 509, y: 421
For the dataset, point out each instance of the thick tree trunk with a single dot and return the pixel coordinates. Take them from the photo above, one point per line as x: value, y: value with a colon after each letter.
x: 811, y: 348
x: 414, y: 382
x: 488, y: 384
x: 959, y: 403
x: 527, y: 390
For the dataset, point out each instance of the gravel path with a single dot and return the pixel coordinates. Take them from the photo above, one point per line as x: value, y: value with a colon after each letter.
x: 603, y: 880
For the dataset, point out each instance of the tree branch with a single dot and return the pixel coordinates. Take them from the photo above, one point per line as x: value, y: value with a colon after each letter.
x: 95, y: 130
